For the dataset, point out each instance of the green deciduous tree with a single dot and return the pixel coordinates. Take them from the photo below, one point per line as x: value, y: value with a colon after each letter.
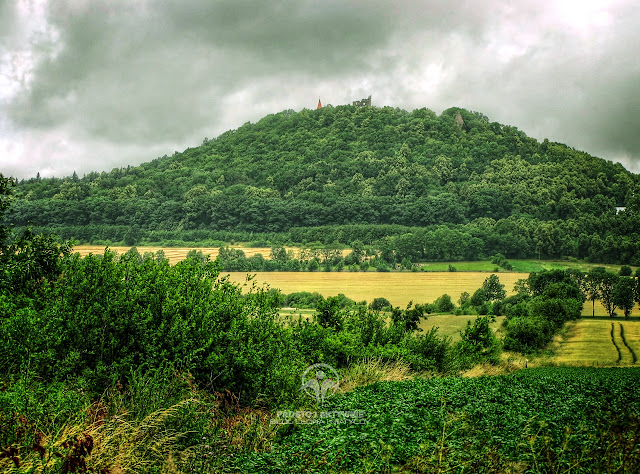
x: 592, y: 286
x: 624, y: 294
x: 607, y: 285
x: 494, y: 290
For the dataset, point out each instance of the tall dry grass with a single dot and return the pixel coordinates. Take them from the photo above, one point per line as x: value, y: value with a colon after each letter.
x: 374, y: 369
x: 105, y: 444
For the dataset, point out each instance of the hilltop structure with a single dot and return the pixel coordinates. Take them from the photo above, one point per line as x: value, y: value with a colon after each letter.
x: 319, y: 104
x: 363, y: 103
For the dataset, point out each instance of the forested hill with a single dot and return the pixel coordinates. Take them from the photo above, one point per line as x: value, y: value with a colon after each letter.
x: 360, y: 173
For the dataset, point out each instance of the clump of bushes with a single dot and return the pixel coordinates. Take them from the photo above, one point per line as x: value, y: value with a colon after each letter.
x: 501, y: 261
x: 546, y: 301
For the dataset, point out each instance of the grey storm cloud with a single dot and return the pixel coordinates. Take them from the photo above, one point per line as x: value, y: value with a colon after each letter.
x: 98, y: 84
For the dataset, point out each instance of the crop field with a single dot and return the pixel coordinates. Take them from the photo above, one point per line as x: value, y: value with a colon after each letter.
x: 534, y: 420
x: 176, y: 254
x: 399, y: 288
x: 599, y: 342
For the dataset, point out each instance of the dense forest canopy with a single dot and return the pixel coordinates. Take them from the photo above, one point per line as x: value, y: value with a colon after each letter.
x: 345, y: 173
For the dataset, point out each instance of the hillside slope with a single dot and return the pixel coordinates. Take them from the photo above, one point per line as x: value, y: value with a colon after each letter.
x: 385, y: 171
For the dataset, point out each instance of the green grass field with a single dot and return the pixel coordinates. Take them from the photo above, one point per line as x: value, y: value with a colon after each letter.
x: 519, y: 266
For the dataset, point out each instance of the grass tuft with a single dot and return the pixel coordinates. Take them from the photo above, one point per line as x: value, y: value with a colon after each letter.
x: 374, y: 369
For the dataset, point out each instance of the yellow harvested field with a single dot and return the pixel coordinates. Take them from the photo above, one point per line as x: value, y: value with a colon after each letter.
x: 589, y: 342
x: 399, y: 288
x: 174, y: 254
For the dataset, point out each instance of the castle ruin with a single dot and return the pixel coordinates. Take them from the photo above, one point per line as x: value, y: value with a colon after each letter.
x: 363, y: 103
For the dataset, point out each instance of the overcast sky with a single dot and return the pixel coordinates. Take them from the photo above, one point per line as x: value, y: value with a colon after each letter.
x: 89, y: 85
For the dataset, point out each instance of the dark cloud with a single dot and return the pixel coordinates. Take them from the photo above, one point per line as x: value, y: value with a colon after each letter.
x: 107, y: 80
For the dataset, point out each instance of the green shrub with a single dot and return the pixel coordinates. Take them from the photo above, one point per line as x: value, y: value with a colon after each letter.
x: 625, y: 270
x: 444, y: 304
x: 527, y: 334
x: 478, y: 343
x: 380, y: 304
x: 302, y: 299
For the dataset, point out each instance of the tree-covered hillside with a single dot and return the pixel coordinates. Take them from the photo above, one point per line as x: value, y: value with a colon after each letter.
x: 345, y: 173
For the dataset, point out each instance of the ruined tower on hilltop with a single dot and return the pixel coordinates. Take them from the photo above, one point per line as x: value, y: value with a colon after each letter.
x: 363, y: 103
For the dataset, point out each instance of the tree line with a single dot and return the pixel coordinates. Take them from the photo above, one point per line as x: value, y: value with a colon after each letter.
x: 293, y: 175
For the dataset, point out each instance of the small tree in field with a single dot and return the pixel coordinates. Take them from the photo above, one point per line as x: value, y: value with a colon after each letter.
x: 493, y: 288
x: 592, y: 286
x: 607, y: 284
x: 625, y: 270
x: 623, y: 295
x: 444, y: 304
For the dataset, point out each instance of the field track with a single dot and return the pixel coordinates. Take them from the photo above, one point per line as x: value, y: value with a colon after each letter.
x: 599, y: 342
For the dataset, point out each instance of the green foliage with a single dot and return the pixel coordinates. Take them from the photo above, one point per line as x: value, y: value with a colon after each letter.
x: 6, y: 185
x: 527, y: 334
x: 537, y: 313
x: 625, y: 270
x: 624, y: 292
x: 479, y: 298
x: 415, y: 186
x: 106, y: 315
x: 379, y: 304
x: 409, y: 319
x: 302, y: 299
x: 546, y: 420
x: 607, y: 284
x: 444, y: 304
x: 478, y: 343
x: 329, y: 313
x: 500, y: 260
x: 494, y: 290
